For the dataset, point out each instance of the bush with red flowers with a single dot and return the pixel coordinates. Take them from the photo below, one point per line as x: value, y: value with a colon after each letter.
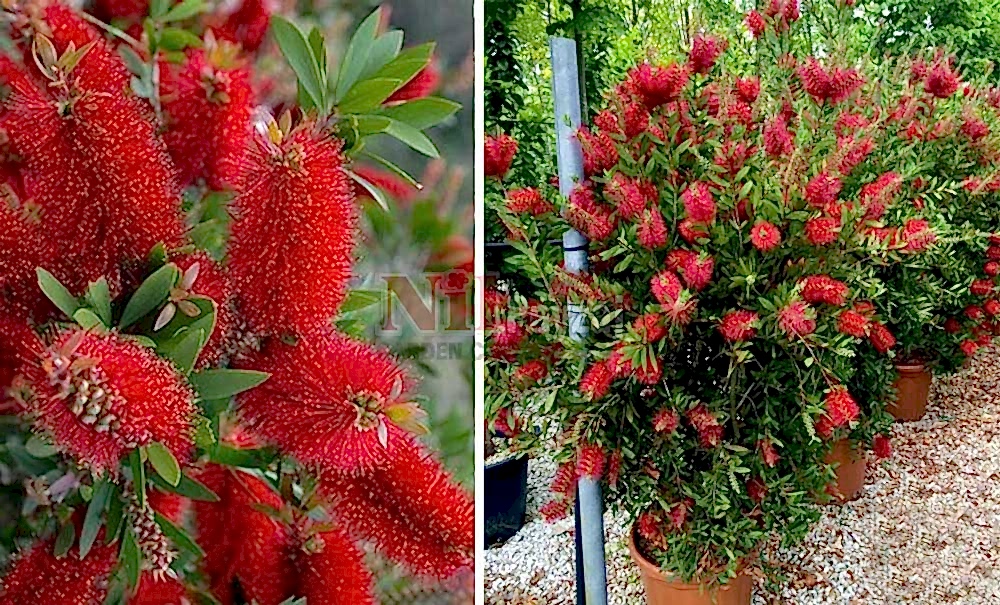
x: 189, y: 423
x: 745, y: 231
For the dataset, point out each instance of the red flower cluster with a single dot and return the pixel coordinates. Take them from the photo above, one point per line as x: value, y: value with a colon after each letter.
x: 833, y: 85
x: 709, y: 430
x: 528, y: 201
x: 739, y: 325
x: 797, y: 319
x: 498, y: 155
x: 765, y: 236
x: 659, y: 85
x: 705, y: 50
x: 818, y: 289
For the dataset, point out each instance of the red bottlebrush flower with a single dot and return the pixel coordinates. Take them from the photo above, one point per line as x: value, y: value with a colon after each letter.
x: 756, y: 489
x: 100, y: 396
x: 126, y: 10
x: 657, y: 86
x: 952, y: 326
x: 707, y: 425
x: 878, y: 194
x: 755, y: 23
x: 981, y: 287
x: 974, y: 128
x: 788, y: 10
x: 357, y: 397
x: 853, y: 324
x: 586, y: 215
x: 614, y: 470
x: 840, y: 407
x: 386, y: 181
x: 627, y: 195
x: 292, y: 247
x: 697, y: 271
x: 748, y: 89
x: 555, y: 510
x: 768, y: 454
x: 941, y: 81
x: 636, y: 118
x: 969, y: 347
x: 797, y: 319
x: 207, y: 104
x: 665, y: 421
x: 600, y: 153
x: 247, y: 25
x: 412, y: 511
x: 882, y: 447
x: 992, y: 307
x: 530, y: 372
x: 498, y: 156
x: 421, y: 85
x: 564, y: 481
x: 854, y: 153
x: 817, y: 289
x: 507, y: 423
x: 590, y: 461
x: 764, y: 236
x: 699, y: 203
x: 527, y: 201
x: 607, y: 121
x: 834, y: 85
x: 778, y: 141
x: 676, y: 258
x: 666, y: 287
x: 649, y: 373
x: 23, y: 247
x: 974, y: 313
x: 678, y: 514
x: 153, y: 591
x: 650, y: 327
x: 596, y: 381
x: 18, y: 345
x: 739, y: 325
x: 105, y: 147
x: 652, y: 231
x: 494, y: 302
x: 918, y: 235
x: 38, y: 576
x: 993, y: 253
x: 648, y: 527
x: 204, y: 278
x: 822, y: 190
x: 992, y: 268
x: 331, y: 569
x: 822, y: 230
x: 705, y: 50
x: 882, y: 339
x: 691, y: 231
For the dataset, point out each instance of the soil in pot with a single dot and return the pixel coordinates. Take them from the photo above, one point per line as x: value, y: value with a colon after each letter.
x: 506, y: 497
x: 912, y: 387
x: 851, y: 469
x: 662, y: 590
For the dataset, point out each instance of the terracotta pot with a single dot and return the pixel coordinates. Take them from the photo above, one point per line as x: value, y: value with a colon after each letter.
x: 851, y: 469
x: 661, y: 590
x: 912, y: 387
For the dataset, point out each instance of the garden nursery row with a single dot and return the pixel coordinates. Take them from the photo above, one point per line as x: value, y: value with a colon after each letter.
x: 786, y: 241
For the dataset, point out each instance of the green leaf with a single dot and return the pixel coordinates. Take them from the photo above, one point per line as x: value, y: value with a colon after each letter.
x: 188, y: 488
x: 357, y: 55
x: 57, y: 293
x: 138, y: 467
x: 40, y: 448
x: 383, y: 49
x: 295, y: 47
x: 318, y: 46
x: 415, y: 139
x: 88, y: 320
x: 175, y: 38
x: 224, y: 383
x: 64, y: 541
x: 422, y: 113
x: 164, y: 463
x: 391, y: 167
x: 178, y: 536
x: 368, y: 125
x: 368, y: 95
x: 158, y: 8
x: 185, y: 353
x: 407, y: 64
x: 99, y: 298
x: 150, y: 294
x: 185, y: 10
x: 116, y: 517
x: 377, y: 194
x: 131, y: 557
x: 94, y: 517
x: 255, y: 458
x: 359, y: 299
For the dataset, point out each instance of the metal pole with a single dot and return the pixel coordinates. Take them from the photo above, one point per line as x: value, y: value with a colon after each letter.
x: 566, y: 94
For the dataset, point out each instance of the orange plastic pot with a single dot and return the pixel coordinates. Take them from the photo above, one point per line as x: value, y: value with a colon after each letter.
x: 662, y: 590
x: 851, y: 469
x: 912, y: 387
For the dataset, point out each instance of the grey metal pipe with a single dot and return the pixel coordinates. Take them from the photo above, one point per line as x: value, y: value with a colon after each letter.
x: 566, y: 94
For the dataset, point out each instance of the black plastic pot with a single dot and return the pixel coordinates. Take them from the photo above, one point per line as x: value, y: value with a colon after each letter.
x: 506, y: 486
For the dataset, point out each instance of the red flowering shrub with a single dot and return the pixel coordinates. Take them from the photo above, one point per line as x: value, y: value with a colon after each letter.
x: 197, y: 423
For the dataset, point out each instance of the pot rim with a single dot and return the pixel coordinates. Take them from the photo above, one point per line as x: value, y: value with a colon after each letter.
x: 648, y: 568
x: 913, y: 367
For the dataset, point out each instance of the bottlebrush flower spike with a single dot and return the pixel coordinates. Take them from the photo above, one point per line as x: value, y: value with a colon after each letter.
x: 748, y: 89
x: 665, y: 421
x: 852, y: 323
x: 768, y: 454
x: 100, y: 396
x: 413, y: 512
x: 333, y: 403
x: 588, y: 216
x: 207, y: 101
x: 818, y: 289
x: 666, y: 287
x: 942, y: 81
x: 755, y: 23
x: 882, y: 447
x: 797, y: 319
x: 627, y: 195
x: 739, y: 325
x: 699, y: 203
x: 599, y: 151
x: 822, y: 190
x: 18, y: 345
x: 247, y: 25
x: 778, y: 141
x: 421, y: 85
x: 152, y: 591
x: 292, y: 246
x: 590, y: 459
x: 650, y: 327
x: 822, y: 230
x: 498, y: 156
x: 38, y: 576
x: 655, y: 86
x: 707, y: 425
x: 841, y: 408
x: 882, y: 339
x: 705, y: 50
x: 331, y: 569
x: 764, y: 236
x: 596, y: 381
x: 527, y: 201
x: 87, y: 137
x: 652, y: 231
x: 23, y: 247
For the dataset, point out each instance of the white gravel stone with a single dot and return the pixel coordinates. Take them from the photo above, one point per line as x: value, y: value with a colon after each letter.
x: 925, y: 531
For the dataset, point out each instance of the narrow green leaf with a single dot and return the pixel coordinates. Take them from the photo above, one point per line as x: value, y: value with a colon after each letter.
x: 116, y: 517
x: 408, y: 63
x: 295, y: 47
x: 356, y: 57
x: 368, y: 95
x: 175, y: 38
x: 40, y: 448
x: 185, y: 10
x: 224, y: 383
x: 415, y: 139
x: 138, y: 467
x: 88, y: 320
x: 377, y: 194
x: 57, y: 293
x: 383, y: 49
x: 368, y: 125
x: 188, y: 488
x: 229, y: 456
x: 99, y: 298
x: 318, y: 46
x: 131, y: 557
x: 150, y: 294
x: 164, y: 463
x: 94, y: 518
x: 178, y: 536
x: 158, y: 8
x: 422, y: 113
x: 391, y: 167
x: 185, y: 352
x: 64, y: 541
x: 359, y: 299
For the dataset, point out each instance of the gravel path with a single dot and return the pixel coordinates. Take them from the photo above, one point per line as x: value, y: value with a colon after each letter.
x: 926, y: 530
